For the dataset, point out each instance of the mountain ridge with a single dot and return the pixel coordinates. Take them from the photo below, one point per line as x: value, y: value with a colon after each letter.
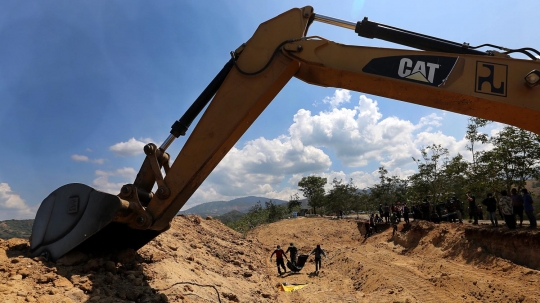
x: 216, y: 208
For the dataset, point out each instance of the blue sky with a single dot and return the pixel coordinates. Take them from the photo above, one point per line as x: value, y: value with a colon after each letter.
x: 85, y: 84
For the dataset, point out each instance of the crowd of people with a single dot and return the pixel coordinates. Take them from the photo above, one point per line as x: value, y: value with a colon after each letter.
x: 510, y: 207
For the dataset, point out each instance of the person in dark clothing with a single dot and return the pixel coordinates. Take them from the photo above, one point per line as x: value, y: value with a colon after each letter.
x: 279, y: 259
x: 435, y: 218
x: 458, y: 208
x: 491, y: 207
x: 399, y: 209
x: 386, y: 209
x: 528, y: 206
x: 417, y: 214
x: 369, y: 229
x: 293, y: 253
x: 472, y: 208
x: 480, y: 212
x: 372, y: 222
x: 425, y: 209
x: 406, y: 213
x: 394, y: 223
x: 517, y: 205
x: 319, y: 252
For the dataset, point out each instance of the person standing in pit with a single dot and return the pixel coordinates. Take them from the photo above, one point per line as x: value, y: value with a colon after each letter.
x: 372, y: 222
x: 279, y: 259
x: 394, y: 221
x: 293, y: 253
x: 319, y: 252
x: 369, y: 229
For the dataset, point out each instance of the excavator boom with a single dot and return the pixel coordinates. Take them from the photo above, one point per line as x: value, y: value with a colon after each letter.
x: 445, y: 75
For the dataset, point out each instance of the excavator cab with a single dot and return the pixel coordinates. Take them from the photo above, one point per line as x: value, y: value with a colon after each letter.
x: 444, y: 74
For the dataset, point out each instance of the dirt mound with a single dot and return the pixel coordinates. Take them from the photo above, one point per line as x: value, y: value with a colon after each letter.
x: 193, y: 252
x: 200, y: 260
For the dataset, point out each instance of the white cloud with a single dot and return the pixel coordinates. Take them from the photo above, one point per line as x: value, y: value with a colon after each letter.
x: 340, y: 96
x: 112, y: 181
x: 79, y: 158
x: 98, y: 161
x: 83, y: 158
x: 430, y: 120
x: 260, y: 167
x: 357, y: 136
x: 12, y: 206
x: 132, y: 147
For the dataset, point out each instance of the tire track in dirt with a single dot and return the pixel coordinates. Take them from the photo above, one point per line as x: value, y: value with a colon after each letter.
x: 403, y: 276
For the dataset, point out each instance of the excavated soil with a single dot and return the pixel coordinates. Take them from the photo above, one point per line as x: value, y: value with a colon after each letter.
x: 201, y: 260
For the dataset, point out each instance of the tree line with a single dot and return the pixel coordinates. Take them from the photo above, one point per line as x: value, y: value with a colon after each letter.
x: 513, y: 158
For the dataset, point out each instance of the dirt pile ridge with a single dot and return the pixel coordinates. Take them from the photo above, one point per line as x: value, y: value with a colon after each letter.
x: 423, y: 262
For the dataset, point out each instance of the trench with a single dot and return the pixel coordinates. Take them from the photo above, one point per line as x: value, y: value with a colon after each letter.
x: 474, y: 243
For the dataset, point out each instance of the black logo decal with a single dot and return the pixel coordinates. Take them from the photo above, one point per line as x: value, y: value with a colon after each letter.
x: 491, y: 78
x: 429, y: 70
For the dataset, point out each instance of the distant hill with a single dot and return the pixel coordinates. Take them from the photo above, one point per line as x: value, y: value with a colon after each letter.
x: 217, y: 208
x: 231, y: 216
x: 231, y: 210
x: 16, y: 229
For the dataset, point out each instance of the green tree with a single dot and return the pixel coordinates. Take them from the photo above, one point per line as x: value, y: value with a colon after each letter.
x: 342, y: 196
x: 258, y: 215
x: 313, y: 189
x: 429, y: 181
x: 275, y: 212
x: 514, y: 159
x: 360, y: 201
x: 476, y: 177
x: 294, y: 203
x: 455, y: 177
x: 389, y: 190
x: 474, y: 137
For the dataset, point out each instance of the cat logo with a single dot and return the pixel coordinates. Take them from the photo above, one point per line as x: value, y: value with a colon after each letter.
x: 428, y: 70
x: 419, y: 72
x: 491, y: 78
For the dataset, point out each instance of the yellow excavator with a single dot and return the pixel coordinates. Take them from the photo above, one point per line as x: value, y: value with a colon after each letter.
x: 442, y: 74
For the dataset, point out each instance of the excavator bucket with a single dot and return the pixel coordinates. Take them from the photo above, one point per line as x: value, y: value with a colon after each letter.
x: 77, y: 213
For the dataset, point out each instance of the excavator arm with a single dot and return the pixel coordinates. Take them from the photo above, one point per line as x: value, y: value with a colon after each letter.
x: 447, y: 76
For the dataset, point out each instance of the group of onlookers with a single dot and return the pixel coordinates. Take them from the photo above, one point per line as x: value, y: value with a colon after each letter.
x: 514, y: 205
x: 509, y: 206
x: 398, y: 210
